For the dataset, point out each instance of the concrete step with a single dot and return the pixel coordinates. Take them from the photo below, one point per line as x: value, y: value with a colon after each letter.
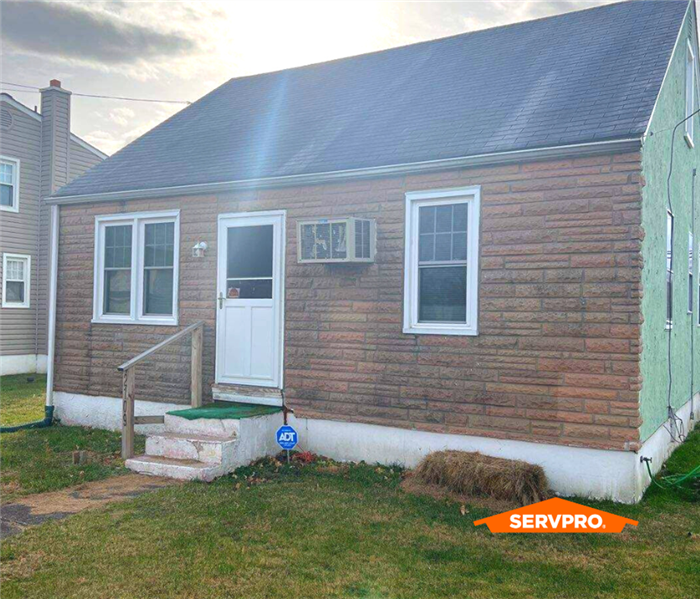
x: 202, y: 426
x: 267, y: 396
x: 210, y: 449
x: 173, y: 468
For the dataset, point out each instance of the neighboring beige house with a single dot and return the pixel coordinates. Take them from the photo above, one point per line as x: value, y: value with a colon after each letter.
x: 38, y: 155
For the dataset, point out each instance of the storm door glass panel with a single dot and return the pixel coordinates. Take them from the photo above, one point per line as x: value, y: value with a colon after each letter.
x: 117, y: 269
x: 249, y: 262
x: 442, y: 263
x: 159, y: 269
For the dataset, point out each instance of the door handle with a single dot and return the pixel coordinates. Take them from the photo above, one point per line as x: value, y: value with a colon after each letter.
x: 221, y: 300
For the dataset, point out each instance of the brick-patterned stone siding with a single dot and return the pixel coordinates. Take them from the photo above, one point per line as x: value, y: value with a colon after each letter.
x: 557, y: 357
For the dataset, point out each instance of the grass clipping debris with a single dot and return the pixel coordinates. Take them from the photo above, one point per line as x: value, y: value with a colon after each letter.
x: 479, y: 475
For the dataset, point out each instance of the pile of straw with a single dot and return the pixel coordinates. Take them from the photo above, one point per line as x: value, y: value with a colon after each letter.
x: 479, y: 475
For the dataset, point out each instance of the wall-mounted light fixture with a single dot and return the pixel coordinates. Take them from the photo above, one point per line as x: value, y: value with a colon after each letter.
x: 199, y: 249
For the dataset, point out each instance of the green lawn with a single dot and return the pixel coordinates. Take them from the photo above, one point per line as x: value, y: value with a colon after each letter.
x: 22, y: 398
x: 35, y: 461
x: 320, y: 530
x: 328, y: 530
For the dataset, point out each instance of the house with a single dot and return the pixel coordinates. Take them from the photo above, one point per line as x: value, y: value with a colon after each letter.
x: 481, y: 242
x: 38, y: 155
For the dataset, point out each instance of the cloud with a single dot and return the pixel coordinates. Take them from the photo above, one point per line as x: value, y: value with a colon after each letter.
x: 122, y: 116
x: 65, y: 31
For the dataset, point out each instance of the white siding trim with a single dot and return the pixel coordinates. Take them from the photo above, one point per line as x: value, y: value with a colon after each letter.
x: 690, y: 75
x: 21, y: 107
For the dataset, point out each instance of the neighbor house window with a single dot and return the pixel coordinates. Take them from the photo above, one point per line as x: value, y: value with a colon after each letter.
x: 136, y: 268
x: 16, y: 277
x: 442, y: 262
x: 690, y: 83
x: 9, y: 184
x: 669, y: 270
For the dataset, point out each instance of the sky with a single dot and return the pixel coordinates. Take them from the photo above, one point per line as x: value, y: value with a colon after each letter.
x: 168, y: 50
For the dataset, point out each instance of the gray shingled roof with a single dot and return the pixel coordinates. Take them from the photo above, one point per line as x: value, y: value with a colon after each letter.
x: 579, y: 77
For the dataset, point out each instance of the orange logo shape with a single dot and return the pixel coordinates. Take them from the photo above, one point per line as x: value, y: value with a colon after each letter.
x: 555, y: 515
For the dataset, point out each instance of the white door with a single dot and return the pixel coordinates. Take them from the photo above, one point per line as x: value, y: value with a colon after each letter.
x: 250, y: 298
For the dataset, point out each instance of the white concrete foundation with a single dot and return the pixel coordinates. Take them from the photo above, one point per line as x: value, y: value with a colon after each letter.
x: 23, y: 364
x: 106, y: 412
x: 571, y: 471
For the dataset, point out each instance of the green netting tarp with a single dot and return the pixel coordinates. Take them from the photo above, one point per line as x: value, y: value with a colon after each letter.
x: 226, y: 410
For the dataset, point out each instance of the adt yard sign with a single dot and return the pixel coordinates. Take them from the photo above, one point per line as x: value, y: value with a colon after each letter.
x: 286, y: 437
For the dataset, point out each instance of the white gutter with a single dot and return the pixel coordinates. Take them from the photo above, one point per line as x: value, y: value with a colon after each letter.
x: 576, y: 150
x: 53, y: 284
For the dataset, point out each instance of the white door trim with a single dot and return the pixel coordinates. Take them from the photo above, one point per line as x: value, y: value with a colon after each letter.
x: 275, y: 217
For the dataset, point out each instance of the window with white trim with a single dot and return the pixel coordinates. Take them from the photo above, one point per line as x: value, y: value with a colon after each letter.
x: 136, y: 268
x: 442, y: 262
x: 669, y: 270
x: 691, y: 286
x: 9, y: 184
x: 690, y: 69
x: 16, y: 280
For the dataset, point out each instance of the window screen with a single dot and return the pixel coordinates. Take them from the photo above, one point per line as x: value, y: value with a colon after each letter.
x: 442, y: 263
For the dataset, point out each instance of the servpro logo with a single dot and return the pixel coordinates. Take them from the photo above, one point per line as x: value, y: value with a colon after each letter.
x: 555, y: 515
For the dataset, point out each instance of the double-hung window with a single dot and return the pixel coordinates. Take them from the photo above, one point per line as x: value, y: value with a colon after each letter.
x: 442, y: 262
x: 16, y: 279
x: 690, y: 83
x: 9, y: 184
x: 136, y: 268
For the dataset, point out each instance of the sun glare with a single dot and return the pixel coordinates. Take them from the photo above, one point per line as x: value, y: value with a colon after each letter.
x: 297, y: 33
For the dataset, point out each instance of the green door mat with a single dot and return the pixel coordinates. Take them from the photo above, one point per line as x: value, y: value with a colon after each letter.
x: 226, y: 410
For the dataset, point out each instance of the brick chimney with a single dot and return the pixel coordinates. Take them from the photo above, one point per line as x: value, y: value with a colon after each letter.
x: 55, y: 137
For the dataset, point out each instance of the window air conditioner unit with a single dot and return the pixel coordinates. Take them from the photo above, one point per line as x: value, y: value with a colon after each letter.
x: 336, y: 240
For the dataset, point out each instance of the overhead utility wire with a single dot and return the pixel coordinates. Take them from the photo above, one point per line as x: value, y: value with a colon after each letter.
x: 37, y: 89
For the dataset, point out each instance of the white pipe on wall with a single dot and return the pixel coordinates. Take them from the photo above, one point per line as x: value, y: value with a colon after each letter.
x: 53, y: 285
